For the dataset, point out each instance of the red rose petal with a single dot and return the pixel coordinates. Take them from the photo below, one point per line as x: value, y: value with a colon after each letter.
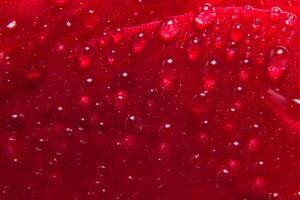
x: 144, y: 111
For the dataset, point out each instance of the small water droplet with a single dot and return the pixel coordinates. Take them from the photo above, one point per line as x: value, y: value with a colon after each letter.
x: 278, y: 63
x: 121, y: 99
x: 166, y: 131
x: 85, y: 58
x: 275, y: 14
x: 117, y: 36
x: 236, y: 32
x: 256, y: 24
x: 200, y: 103
x: 134, y: 123
x: 207, y: 7
x: 247, y: 11
x: 91, y: 20
x: 168, y: 73
x: 204, y: 19
x: 139, y: 43
x: 291, y: 20
x: 15, y: 121
x: 125, y: 80
x: 12, y: 24
x: 168, y: 29
x: 230, y: 53
x: 211, y: 71
x: 194, y: 49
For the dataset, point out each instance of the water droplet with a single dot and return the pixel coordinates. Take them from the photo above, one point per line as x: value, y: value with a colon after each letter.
x: 194, y: 49
x: 91, y: 20
x: 85, y: 58
x: 230, y: 53
x: 247, y: 11
x: 125, y: 80
x: 207, y: 7
x: 236, y: 32
x: 204, y: 19
x: 134, y: 123
x: 117, y: 36
x: 168, y: 73
x: 15, y: 121
x: 200, y: 103
x: 256, y: 24
x: 168, y: 29
x: 12, y: 24
x: 278, y: 63
x: 211, y: 71
x: 166, y: 131
x: 275, y: 14
x: 139, y: 43
x: 291, y: 20
x: 121, y: 99
x: 129, y: 142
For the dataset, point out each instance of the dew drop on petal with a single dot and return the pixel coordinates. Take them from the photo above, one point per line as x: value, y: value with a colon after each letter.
x: 139, y: 43
x: 194, y: 49
x: 236, y: 33
x: 15, y: 121
x: 278, y: 62
x: 200, y: 103
x: 121, y: 99
x: 168, y: 29
x: 275, y: 14
x: 125, y: 80
x: 256, y: 24
x: 134, y: 123
x: 12, y: 24
x: 207, y: 7
x: 166, y: 130
x: 247, y: 11
x: 168, y: 73
x: 291, y: 20
x: 204, y: 19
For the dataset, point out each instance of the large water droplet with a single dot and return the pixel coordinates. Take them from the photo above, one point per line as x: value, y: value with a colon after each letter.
x: 168, y: 29
x: 278, y: 63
